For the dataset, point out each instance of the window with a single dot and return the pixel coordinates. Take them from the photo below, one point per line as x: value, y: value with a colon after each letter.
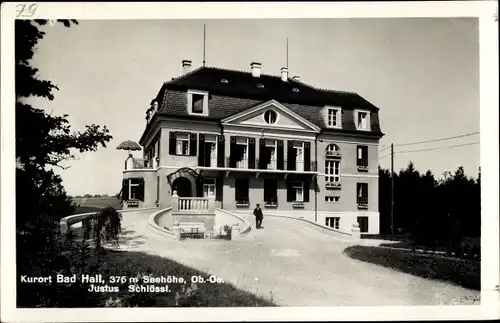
x: 208, y: 187
x: 271, y: 192
x: 333, y: 117
x: 241, y: 188
x: 135, y: 189
x: 182, y: 144
x: 332, y: 198
x: 298, y: 187
x: 362, y: 120
x: 332, y: 222
x: 133, y: 186
x: 299, y: 156
x: 271, y: 148
x: 362, y: 156
x: 270, y: 116
x: 362, y: 193
x: 363, y: 224
x: 197, y: 102
x: 332, y: 150
x: 332, y: 171
x: 211, y: 150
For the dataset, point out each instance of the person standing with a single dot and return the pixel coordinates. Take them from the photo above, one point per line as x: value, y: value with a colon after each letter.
x: 257, y: 212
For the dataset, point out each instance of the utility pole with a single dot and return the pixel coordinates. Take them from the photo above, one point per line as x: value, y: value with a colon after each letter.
x: 392, y: 188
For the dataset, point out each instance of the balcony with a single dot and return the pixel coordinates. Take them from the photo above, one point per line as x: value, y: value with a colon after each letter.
x: 272, y: 165
x: 362, y: 165
x: 139, y: 163
x: 298, y: 205
x: 293, y: 166
x: 300, y: 166
x: 333, y: 154
x: 271, y: 202
x: 362, y: 202
x: 242, y: 202
x: 333, y: 185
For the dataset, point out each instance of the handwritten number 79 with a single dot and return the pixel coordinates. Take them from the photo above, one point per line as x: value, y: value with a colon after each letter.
x: 24, y: 10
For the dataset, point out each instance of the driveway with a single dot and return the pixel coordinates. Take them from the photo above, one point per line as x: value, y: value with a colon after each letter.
x: 296, y: 263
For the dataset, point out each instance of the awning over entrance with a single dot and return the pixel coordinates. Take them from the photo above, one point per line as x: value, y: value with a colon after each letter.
x: 182, y: 172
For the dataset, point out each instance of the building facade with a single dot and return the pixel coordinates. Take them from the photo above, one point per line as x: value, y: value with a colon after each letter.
x: 248, y: 138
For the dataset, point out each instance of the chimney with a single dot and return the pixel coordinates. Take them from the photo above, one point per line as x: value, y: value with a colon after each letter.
x: 296, y: 78
x: 186, y: 66
x: 256, y: 69
x: 284, y: 74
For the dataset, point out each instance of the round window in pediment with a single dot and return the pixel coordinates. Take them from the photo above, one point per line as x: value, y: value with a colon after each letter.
x: 270, y: 116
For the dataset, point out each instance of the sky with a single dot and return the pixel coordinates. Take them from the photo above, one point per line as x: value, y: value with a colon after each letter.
x: 422, y: 73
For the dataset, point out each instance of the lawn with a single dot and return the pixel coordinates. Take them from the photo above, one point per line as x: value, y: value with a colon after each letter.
x: 94, y: 204
x: 465, y: 273
x: 129, y: 264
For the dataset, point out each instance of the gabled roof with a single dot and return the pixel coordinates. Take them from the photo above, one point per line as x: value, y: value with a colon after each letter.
x: 272, y: 103
x: 264, y: 88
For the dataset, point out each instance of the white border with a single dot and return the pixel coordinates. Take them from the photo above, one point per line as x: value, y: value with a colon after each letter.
x: 490, y: 301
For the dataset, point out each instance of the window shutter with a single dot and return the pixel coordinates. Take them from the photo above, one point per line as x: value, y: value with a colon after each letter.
x: 306, y: 191
x: 221, y: 146
x: 366, y: 155
x: 307, y: 157
x: 218, y: 188
x: 251, y: 153
x: 232, y: 152
x: 125, y: 190
x: 279, y: 155
x: 192, y: 144
x: 366, y: 192
x: 158, y: 149
x: 172, y: 143
x: 290, y: 192
x: 140, y: 190
x: 262, y: 149
x: 290, y: 156
x: 199, y: 186
x: 236, y: 189
x: 157, y: 189
x: 201, y: 151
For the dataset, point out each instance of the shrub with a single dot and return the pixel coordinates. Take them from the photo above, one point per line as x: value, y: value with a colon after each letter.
x: 227, y: 231
x: 106, y: 227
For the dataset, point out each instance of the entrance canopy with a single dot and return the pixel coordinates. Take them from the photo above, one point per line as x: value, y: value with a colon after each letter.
x: 182, y: 172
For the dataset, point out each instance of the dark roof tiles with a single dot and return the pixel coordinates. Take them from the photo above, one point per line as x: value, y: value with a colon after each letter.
x: 241, y: 92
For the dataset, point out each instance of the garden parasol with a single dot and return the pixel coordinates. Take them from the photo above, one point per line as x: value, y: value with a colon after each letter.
x: 129, y: 145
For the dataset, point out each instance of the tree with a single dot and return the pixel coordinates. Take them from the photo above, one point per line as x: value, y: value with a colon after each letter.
x: 43, y: 141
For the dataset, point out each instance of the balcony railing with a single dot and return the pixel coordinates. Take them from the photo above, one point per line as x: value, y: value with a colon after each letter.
x: 274, y: 165
x: 139, y: 163
x: 362, y: 202
x: 332, y: 185
x: 242, y: 202
x: 193, y: 204
x: 271, y: 202
x: 362, y: 165
x: 333, y: 154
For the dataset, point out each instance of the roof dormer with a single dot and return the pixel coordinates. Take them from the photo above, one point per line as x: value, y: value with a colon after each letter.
x: 197, y: 102
x: 333, y: 117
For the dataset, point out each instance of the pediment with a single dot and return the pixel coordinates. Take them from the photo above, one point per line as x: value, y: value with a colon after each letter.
x: 270, y: 115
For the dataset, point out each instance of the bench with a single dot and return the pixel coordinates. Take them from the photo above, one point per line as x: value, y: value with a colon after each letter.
x: 192, y: 229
